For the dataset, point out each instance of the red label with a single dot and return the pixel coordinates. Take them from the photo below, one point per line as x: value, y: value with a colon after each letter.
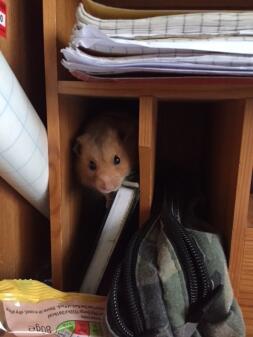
x: 82, y: 328
x: 3, y: 19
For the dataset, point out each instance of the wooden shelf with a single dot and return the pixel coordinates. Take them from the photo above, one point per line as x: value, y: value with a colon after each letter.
x: 200, y: 88
x: 206, y: 122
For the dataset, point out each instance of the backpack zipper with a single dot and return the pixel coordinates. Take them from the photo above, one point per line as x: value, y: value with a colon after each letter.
x: 126, y: 274
x: 113, y: 312
x: 198, y: 283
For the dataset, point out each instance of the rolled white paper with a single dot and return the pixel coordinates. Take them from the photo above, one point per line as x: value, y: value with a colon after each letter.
x: 23, y: 142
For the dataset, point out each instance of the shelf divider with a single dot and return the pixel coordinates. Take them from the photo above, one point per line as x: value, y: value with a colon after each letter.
x: 147, y: 153
x: 53, y: 127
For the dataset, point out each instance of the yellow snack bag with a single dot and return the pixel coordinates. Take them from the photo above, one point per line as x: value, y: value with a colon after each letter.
x: 31, y: 308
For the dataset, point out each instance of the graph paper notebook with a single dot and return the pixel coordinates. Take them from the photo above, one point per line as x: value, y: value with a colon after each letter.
x: 77, y: 60
x: 119, y: 214
x: 206, y: 23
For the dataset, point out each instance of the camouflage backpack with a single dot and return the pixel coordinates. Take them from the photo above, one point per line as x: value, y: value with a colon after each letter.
x: 173, y: 282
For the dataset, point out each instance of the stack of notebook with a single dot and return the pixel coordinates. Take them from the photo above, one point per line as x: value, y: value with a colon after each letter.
x: 109, y: 41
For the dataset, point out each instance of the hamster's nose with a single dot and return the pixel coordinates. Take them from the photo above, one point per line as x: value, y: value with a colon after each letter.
x: 105, y: 184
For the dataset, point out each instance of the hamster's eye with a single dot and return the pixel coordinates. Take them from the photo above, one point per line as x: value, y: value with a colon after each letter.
x: 92, y: 165
x: 116, y: 160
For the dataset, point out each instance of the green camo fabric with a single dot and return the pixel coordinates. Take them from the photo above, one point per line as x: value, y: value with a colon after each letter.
x: 163, y: 293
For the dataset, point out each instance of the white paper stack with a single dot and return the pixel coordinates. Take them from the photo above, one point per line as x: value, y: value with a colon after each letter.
x: 216, y: 42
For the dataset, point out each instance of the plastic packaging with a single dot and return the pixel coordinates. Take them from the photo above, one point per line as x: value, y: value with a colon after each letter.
x: 31, y: 308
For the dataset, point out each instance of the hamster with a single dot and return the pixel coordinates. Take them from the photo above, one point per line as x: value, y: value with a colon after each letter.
x: 107, y: 152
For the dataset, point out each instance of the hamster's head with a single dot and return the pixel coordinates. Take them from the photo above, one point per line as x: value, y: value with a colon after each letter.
x: 103, y: 163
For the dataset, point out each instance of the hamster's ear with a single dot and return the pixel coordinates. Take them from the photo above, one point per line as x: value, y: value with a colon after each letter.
x: 127, y: 134
x: 77, y: 147
x: 122, y: 135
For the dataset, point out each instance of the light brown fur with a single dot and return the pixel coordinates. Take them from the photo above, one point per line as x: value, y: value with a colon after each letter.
x: 104, y: 138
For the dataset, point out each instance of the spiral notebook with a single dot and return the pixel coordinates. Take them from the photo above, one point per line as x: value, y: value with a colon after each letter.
x: 118, y: 215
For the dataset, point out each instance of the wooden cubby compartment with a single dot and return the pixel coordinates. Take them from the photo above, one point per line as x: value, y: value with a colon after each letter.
x: 195, y: 122
x: 78, y: 215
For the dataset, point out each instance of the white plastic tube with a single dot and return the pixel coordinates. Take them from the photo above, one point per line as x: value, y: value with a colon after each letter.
x: 23, y: 142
